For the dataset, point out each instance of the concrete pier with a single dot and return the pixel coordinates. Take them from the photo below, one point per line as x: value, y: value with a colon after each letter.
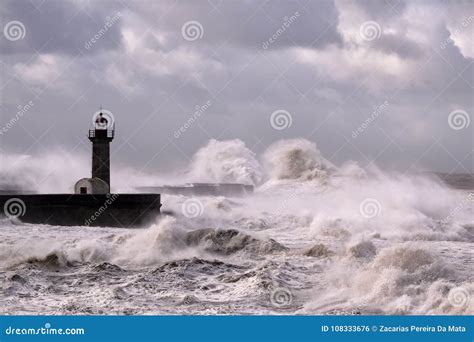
x: 111, y: 210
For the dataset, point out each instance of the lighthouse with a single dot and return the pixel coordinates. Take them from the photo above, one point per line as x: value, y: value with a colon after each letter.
x: 101, y: 135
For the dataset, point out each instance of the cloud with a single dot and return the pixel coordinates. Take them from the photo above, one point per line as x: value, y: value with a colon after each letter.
x: 251, y: 59
x: 61, y: 26
x: 247, y: 23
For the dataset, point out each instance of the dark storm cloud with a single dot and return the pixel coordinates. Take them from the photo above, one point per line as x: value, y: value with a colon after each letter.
x: 379, y: 9
x: 318, y: 68
x: 249, y: 23
x: 61, y: 26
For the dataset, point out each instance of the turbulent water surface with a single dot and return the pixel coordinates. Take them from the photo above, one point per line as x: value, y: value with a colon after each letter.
x: 312, y: 239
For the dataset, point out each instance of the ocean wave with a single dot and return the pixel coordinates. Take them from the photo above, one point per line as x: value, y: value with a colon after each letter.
x: 296, y: 159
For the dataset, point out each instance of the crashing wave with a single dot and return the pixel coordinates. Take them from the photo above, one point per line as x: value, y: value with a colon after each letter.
x: 296, y: 159
x: 229, y: 241
x: 227, y: 161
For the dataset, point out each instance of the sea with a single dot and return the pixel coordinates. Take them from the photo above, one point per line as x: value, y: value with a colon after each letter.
x: 312, y: 239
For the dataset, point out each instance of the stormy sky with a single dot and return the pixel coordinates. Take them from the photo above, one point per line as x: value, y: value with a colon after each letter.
x: 384, y: 82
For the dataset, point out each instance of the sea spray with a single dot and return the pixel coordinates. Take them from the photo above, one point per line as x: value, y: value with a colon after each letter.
x: 227, y: 161
x: 296, y: 159
x: 52, y: 172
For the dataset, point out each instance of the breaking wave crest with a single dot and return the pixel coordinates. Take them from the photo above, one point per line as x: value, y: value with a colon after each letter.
x: 296, y: 159
x: 397, y: 280
x: 166, y: 240
x: 225, y: 162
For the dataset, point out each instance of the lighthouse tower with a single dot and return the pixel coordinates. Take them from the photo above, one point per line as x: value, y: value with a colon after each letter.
x: 101, y: 135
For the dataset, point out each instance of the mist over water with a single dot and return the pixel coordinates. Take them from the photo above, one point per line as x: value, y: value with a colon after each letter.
x: 314, y: 238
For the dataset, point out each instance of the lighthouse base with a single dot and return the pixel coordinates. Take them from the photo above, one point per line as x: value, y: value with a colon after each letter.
x: 111, y: 210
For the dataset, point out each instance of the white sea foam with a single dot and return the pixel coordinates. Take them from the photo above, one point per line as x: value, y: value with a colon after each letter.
x: 295, y: 159
x: 225, y: 162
